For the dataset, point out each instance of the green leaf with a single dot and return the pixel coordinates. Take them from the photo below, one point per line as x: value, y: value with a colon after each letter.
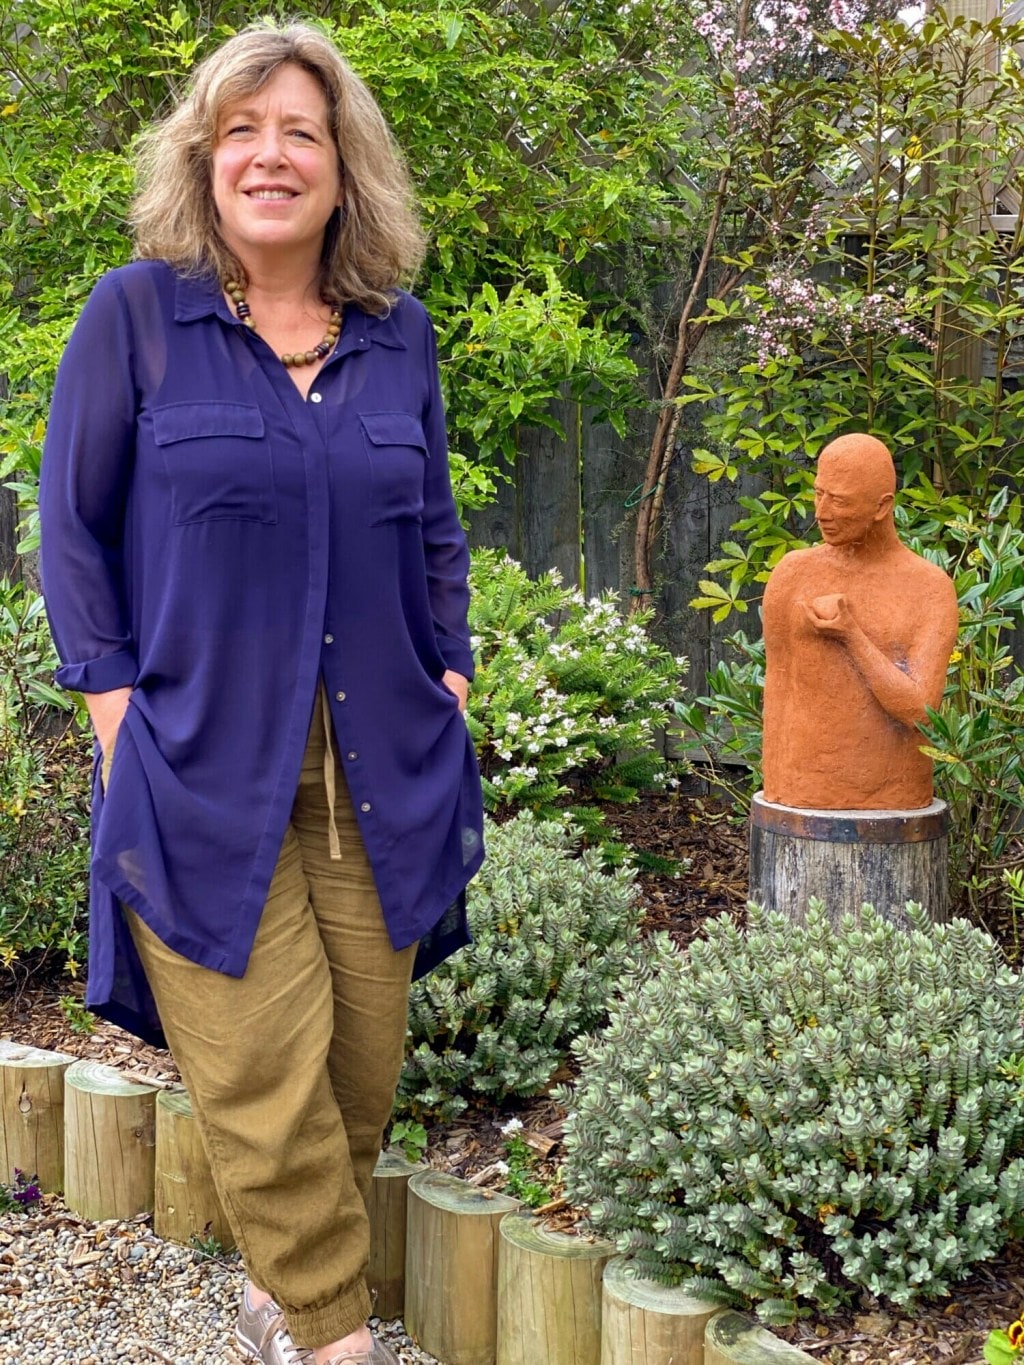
x: 997, y: 1349
x: 452, y: 30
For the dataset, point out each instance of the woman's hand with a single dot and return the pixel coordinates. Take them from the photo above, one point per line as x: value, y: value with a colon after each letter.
x: 456, y: 683
x: 106, y: 711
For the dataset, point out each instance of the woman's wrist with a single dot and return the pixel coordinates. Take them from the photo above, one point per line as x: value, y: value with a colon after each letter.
x: 457, y: 684
x: 106, y: 711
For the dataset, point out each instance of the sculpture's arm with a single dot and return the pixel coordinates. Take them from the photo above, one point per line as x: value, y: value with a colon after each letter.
x: 902, y: 692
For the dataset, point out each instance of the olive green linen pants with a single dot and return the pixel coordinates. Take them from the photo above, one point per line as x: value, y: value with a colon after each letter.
x: 292, y: 1068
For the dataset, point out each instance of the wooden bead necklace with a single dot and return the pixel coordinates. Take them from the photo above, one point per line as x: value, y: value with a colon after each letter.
x: 322, y: 349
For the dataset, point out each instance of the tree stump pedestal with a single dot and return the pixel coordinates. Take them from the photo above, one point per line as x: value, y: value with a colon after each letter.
x: 848, y: 857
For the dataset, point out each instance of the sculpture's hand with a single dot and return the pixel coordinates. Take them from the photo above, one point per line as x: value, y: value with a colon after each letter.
x: 904, y: 687
x: 830, y: 615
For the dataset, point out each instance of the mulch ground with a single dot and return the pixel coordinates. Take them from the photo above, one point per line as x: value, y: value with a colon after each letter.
x: 711, y: 879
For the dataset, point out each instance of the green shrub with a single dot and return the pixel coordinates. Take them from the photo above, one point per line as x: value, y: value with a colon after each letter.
x: 566, y: 688
x: 551, y: 932
x: 791, y: 1113
x: 44, y: 798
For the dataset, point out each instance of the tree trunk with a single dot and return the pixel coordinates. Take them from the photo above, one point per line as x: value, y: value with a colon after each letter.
x: 846, y: 858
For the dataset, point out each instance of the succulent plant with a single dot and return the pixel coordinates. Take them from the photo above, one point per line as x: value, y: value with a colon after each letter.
x: 788, y: 1113
x: 552, y: 930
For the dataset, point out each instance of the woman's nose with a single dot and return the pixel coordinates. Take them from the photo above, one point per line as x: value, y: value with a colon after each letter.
x: 270, y: 147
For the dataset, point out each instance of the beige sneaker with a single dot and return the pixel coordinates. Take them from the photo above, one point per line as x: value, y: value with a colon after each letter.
x: 262, y: 1335
x: 378, y: 1355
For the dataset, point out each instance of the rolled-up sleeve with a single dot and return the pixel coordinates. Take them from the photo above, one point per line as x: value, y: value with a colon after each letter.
x: 84, y: 482
x: 444, y: 541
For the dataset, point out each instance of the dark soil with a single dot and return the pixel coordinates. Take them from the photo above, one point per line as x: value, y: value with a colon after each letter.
x: 711, y: 879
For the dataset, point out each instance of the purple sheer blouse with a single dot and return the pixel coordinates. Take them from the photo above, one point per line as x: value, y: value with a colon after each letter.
x: 218, y: 543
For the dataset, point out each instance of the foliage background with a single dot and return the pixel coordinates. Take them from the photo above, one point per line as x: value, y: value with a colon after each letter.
x: 606, y: 183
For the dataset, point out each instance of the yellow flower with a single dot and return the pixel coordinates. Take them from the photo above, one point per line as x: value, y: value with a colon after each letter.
x: 1015, y: 1333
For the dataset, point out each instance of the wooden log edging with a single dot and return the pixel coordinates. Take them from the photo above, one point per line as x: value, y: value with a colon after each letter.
x: 549, y: 1294
x: 646, y: 1323
x: 451, y: 1267
x: 388, y: 1212
x: 109, y: 1143
x: 32, y: 1114
x: 454, y: 1234
x: 735, y: 1339
x: 185, y: 1204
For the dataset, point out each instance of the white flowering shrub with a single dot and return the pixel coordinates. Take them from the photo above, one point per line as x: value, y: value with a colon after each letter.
x: 566, y: 688
x: 787, y: 1114
x: 552, y: 931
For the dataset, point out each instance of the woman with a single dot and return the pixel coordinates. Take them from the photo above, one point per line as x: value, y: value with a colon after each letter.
x: 255, y: 574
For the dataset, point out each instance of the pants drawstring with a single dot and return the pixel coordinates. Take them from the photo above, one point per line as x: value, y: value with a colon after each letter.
x: 333, y: 840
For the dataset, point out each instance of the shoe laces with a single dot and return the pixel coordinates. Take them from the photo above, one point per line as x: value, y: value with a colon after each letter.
x: 295, y: 1355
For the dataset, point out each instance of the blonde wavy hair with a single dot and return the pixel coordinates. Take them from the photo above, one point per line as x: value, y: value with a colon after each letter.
x: 371, y: 246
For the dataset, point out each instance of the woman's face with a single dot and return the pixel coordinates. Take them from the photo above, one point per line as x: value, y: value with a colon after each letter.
x: 276, y: 179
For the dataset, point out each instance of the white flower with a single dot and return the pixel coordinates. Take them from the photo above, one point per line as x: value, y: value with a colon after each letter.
x: 512, y: 1126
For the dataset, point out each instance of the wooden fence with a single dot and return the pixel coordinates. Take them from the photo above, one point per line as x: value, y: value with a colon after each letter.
x: 571, y: 505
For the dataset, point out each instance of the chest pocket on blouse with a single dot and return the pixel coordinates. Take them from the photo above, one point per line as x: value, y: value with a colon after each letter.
x: 397, y: 450
x: 218, y: 462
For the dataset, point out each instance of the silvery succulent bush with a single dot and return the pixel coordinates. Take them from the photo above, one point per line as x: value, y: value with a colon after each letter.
x: 790, y: 1113
x: 552, y: 930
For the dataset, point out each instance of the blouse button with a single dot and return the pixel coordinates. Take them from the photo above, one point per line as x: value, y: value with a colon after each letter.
x: 316, y: 398
x: 352, y: 754
x: 365, y: 806
x: 328, y: 639
x: 339, y: 696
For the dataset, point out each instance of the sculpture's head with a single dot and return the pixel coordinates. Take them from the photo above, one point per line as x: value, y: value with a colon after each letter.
x: 854, y: 489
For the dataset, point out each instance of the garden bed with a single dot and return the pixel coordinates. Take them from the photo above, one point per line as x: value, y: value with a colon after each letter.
x: 712, y: 880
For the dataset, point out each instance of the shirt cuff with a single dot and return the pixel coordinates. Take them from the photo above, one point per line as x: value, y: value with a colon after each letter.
x: 105, y: 674
x: 458, y: 657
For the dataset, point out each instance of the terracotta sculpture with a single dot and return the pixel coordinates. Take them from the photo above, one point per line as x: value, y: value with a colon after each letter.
x: 858, y: 633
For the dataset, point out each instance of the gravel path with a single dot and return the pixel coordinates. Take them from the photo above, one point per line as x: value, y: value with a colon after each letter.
x: 77, y: 1293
